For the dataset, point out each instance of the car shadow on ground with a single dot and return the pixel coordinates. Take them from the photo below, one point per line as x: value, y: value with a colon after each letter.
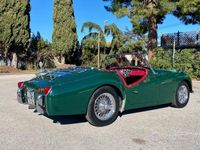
x: 145, y: 109
x: 64, y: 120
x: 75, y: 119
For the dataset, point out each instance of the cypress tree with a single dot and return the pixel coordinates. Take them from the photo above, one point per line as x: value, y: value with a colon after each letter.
x: 14, y: 25
x: 64, y: 40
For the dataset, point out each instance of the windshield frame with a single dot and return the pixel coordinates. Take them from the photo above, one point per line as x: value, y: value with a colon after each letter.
x: 142, y: 57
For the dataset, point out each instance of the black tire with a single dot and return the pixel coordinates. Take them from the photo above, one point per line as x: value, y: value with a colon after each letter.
x: 177, y: 102
x: 92, y: 117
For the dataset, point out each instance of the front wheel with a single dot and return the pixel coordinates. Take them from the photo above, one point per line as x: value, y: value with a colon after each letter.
x: 103, y: 107
x: 182, y: 95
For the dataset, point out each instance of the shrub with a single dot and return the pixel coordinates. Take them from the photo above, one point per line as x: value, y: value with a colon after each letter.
x: 162, y: 59
x: 185, y: 60
x: 196, y: 66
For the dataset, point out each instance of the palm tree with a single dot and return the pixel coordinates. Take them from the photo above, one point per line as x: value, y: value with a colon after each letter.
x: 117, y: 37
x: 93, y: 36
x: 90, y: 41
x: 94, y: 40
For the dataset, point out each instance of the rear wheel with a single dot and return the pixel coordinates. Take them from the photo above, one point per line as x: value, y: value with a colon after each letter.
x: 103, y: 107
x: 182, y: 95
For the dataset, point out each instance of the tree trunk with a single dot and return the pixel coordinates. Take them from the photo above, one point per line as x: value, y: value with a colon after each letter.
x: 14, y: 60
x: 6, y: 56
x: 62, y: 60
x: 152, y: 36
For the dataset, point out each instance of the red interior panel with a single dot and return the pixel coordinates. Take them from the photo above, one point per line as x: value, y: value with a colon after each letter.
x: 135, y: 72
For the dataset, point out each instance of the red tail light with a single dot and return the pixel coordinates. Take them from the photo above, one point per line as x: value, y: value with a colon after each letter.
x: 47, y: 90
x: 40, y: 90
x: 20, y: 84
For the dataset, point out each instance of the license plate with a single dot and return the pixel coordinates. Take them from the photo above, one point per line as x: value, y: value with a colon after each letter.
x: 30, y: 97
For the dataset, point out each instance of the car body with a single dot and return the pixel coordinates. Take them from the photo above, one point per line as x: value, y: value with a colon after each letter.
x: 75, y: 90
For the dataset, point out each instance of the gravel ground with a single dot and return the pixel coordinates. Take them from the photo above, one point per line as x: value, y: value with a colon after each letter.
x: 166, y: 128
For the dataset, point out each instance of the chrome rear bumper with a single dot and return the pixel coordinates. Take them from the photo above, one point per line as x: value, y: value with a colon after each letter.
x: 37, y: 103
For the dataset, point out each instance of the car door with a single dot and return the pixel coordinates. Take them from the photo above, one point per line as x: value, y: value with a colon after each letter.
x: 143, y: 94
x: 167, y: 87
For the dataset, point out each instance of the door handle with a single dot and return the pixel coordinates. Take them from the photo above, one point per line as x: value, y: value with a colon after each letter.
x: 135, y: 92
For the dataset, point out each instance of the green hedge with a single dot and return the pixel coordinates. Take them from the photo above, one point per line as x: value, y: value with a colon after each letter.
x: 185, y: 60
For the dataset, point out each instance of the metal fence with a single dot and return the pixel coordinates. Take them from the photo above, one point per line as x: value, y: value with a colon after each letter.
x: 181, y: 40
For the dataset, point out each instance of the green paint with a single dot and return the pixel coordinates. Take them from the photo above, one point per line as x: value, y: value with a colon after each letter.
x: 71, y: 93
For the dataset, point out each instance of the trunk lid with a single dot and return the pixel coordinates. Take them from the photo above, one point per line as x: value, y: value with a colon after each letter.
x: 61, y: 76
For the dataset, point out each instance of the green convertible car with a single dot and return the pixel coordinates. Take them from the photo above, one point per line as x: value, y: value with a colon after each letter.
x: 126, y: 82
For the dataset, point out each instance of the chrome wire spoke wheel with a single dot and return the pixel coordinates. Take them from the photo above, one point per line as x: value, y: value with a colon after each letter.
x: 182, y: 94
x: 104, y: 106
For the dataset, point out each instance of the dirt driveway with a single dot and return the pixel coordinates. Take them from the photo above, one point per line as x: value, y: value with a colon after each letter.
x: 166, y: 128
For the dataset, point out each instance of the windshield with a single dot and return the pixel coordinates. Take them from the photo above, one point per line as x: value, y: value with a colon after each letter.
x: 125, y: 60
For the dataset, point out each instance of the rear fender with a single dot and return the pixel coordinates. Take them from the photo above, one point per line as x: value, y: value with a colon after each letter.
x: 120, y: 90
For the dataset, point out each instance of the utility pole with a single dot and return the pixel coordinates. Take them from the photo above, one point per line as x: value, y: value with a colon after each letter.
x: 98, y: 65
x: 173, y: 54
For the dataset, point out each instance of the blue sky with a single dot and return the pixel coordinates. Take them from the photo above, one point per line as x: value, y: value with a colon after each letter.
x: 92, y: 10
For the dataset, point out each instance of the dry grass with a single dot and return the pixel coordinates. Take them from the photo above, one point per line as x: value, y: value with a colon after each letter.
x: 12, y: 70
